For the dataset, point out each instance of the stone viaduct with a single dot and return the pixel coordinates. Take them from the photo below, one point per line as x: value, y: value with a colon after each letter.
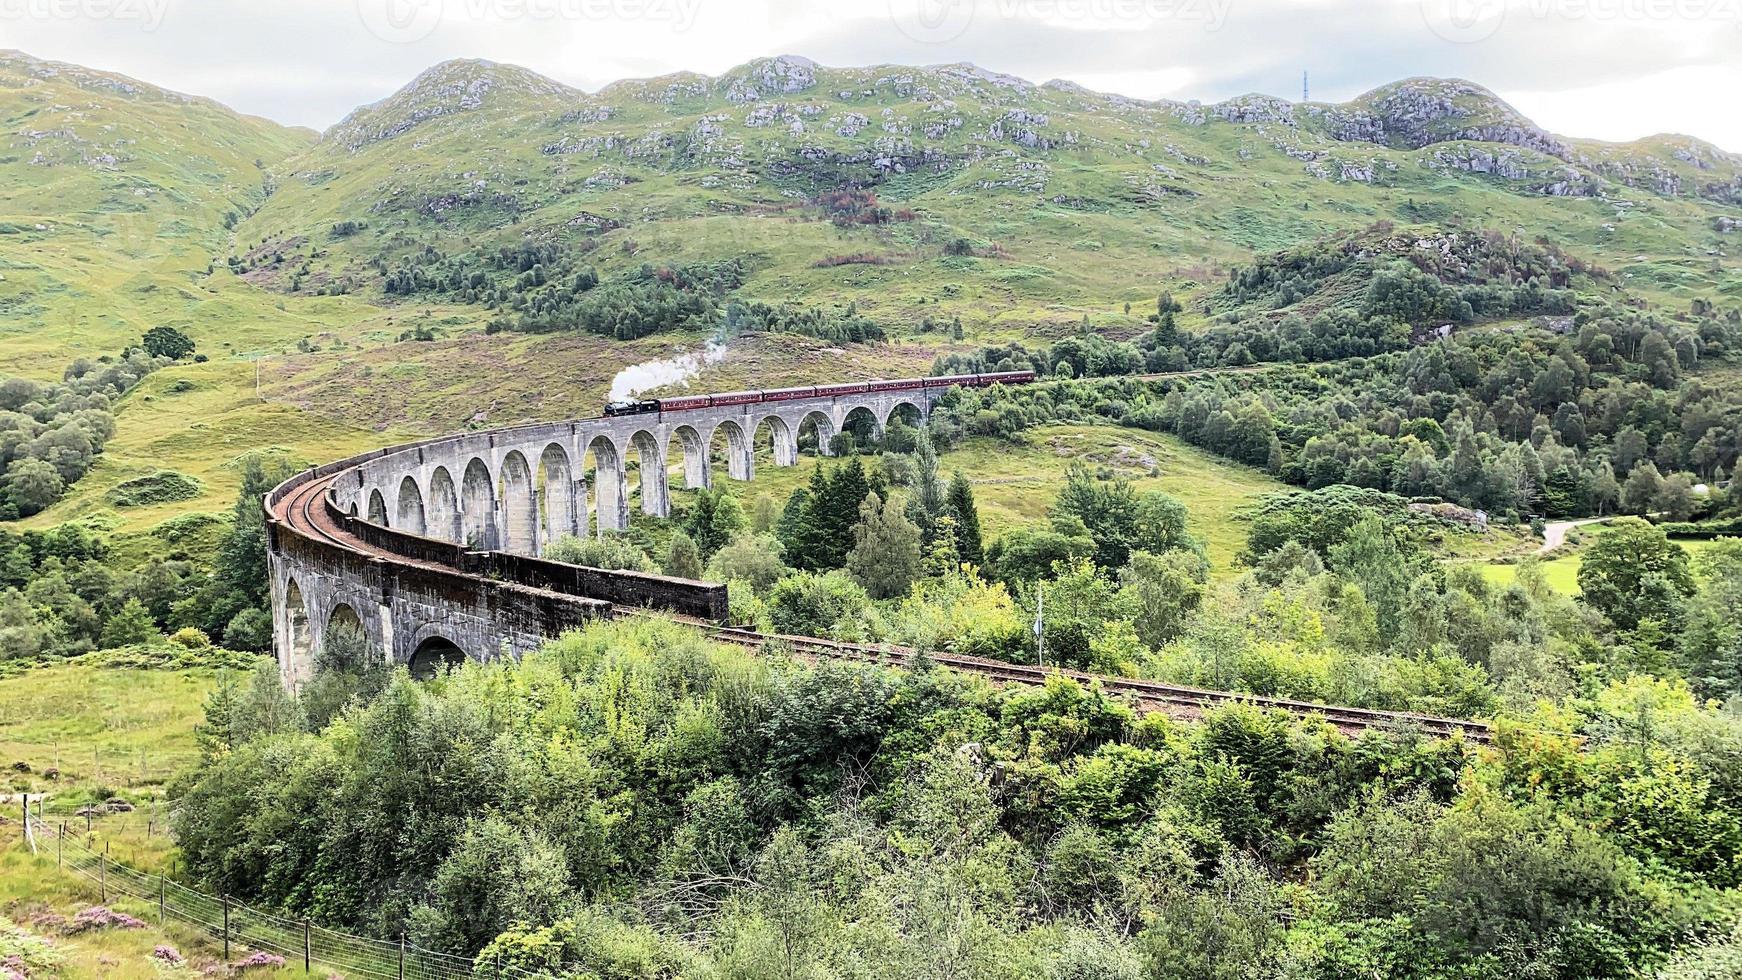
x: 432, y: 549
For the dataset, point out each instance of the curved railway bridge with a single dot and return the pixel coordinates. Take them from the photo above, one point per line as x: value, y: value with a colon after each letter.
x: 432, y: 548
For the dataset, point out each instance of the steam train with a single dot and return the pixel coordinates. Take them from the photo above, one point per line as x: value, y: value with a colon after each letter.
x: 685, y: 403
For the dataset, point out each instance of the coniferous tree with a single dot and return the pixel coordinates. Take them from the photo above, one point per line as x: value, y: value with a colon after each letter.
x: 798, y: 523
x: 682, y: 558
x: 942, y: 559
x: 961, y: 509
x: 131, y: 624
x: 712, y: 520
x: 838, y: 512
x: 1565, y: 494
x: 927, y: 502
x: 213, y: 734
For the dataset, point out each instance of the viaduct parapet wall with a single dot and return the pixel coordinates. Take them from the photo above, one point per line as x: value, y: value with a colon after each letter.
x: 432, y: 549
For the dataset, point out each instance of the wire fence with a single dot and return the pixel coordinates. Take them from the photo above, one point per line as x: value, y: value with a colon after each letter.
x: 240, y: 928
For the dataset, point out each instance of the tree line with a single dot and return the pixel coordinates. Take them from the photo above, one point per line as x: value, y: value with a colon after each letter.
x: 633, y: 801
x: 67, y: 591
x: 1610, y: 418
x: 51, y: 433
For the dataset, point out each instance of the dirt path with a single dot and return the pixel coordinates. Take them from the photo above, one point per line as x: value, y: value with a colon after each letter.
x: 1554, y: 533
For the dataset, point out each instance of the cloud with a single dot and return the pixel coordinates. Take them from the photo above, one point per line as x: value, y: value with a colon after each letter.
x: 1580, y: 67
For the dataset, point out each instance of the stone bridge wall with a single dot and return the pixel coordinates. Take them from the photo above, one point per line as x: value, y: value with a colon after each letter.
x: 519, y: 489
x: 470, y: 513
x: 405, y: 607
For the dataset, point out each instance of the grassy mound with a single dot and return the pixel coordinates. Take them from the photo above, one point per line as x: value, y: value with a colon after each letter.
x: 161, y: 487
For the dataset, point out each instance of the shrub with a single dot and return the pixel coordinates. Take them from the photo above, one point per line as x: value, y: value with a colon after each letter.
x: 189, y: 638
x: 160, y: 487
x: 809, y: 604
x: 609, y: 552
x: 167, y: 342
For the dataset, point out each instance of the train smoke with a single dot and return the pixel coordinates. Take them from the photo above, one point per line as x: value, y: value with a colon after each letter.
x: 665, y: 371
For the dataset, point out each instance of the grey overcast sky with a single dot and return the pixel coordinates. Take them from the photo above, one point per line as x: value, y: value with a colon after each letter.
x: 1608, y: 69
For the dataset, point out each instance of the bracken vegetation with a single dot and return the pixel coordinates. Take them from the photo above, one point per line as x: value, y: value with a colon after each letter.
x: 635, y: 802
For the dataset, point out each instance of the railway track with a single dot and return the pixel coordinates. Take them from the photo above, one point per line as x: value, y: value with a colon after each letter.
x: 304, y: 511
x: 1175, y: 700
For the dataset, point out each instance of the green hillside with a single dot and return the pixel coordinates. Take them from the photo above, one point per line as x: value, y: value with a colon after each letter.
x: 1018, y: 207
x: 114, y: 197
x: 117, y: 200
x: 1305, y: 376
x: 364, y: 264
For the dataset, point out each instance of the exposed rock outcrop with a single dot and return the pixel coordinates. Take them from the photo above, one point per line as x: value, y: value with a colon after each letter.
x: 1418, y: 112
x: 448, y: 88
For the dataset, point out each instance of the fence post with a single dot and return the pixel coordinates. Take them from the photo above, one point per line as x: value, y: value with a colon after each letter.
x: 226, y: 927
x: 160, y: 898
x: 305, y: 946
x: 87, y: 818
x: 103, y: 878
x: 57, y: 839
x: 26, y: 819
x: 402, y: 955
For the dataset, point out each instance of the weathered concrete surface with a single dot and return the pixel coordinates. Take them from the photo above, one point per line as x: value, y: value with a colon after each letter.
x: 519, y: 489
x: 417, y: 613
x: 435, y: 511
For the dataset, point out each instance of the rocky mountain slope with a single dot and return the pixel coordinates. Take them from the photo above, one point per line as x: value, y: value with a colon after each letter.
x: 921, y: 194
x: 943, y: 206
x: 80, y: 141
x: 997, y: 194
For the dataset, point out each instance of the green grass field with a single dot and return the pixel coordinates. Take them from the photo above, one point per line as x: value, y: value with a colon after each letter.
x: 110, y: 731
x: 1561, y: 570
x: 1015, y: 484
x: 128, y: 730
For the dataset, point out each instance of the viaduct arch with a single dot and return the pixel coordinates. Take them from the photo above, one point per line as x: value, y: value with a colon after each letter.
x: 434, y: 547
x: 435, y: 571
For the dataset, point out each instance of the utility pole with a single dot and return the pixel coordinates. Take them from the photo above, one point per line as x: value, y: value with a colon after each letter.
x: 1040, y: 625
x: 1303, y: 86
